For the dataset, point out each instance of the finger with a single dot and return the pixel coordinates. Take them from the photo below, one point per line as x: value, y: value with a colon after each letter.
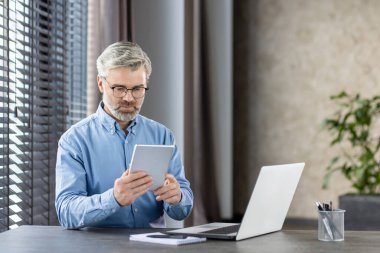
x: 161, y: 190
x: 129, y: 198
x: 140, y: 190
x: 164, y: 189
x: 165, y: 197
x: 168, y: 195
x: 147, y: 180
x: 133, y: 176
x: 170, y: 183
x: 170, y: 177
x: 168, y: 191
x: 126, y: 173
x: 137, y: 174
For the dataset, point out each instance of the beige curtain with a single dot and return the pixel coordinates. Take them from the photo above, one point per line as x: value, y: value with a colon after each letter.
x: 108, y: 21
x: 199, y: 155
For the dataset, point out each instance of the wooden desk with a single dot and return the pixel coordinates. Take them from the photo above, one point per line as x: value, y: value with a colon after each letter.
x: 43, y: 239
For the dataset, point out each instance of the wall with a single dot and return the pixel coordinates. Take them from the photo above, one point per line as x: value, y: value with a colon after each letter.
x: 158, y: 27
x: 219, y: 20
x: 290, y: 56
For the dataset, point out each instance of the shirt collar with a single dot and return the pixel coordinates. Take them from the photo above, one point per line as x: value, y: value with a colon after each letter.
x: 110, y: 123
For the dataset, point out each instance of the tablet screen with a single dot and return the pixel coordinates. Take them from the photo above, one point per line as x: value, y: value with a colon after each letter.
x: 154, y: 160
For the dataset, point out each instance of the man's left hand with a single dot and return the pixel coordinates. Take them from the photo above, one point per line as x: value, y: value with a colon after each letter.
x: 170, y: 192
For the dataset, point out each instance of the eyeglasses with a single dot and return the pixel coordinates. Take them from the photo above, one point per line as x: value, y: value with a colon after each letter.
x: 120, y: 91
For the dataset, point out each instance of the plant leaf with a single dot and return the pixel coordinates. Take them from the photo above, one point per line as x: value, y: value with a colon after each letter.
x: 352, y: 124
x: 342, y: 94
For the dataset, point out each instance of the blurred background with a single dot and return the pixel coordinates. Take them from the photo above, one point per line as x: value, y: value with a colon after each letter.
x: 241, y: 83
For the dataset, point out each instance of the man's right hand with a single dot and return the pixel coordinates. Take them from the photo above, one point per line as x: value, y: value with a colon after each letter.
x: 130, y: 186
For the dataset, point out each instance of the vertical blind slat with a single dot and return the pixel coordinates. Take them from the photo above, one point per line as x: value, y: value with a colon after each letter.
x: 37, y: 88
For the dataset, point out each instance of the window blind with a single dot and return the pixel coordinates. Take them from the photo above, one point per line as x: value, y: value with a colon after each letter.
x: 42, y: 68
x: 76, y: 58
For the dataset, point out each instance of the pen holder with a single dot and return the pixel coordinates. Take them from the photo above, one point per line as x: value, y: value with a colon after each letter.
x: 331, y: 225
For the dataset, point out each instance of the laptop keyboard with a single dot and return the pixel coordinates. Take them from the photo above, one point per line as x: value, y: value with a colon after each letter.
x: 223, y: 230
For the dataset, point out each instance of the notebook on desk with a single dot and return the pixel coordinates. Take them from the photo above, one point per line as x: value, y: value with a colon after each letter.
x: 266, y: 210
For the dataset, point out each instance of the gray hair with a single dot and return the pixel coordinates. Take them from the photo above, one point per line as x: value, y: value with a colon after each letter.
x: 123, y: 54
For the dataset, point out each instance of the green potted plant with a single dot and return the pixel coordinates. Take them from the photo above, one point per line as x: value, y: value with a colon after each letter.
x: 354, y: 127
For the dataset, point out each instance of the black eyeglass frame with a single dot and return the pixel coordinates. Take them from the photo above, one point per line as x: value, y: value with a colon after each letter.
x: 125, y: 89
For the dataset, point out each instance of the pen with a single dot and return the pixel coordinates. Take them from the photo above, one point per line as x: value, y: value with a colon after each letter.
x: 324, y: 218
x: 327, y: 226
x: 168, y: 236
x: 320, y: 208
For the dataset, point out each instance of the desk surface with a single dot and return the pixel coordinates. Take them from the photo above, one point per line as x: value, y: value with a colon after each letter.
x: 43, y: 239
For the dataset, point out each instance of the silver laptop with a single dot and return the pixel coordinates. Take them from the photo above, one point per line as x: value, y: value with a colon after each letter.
x: 267, y: 207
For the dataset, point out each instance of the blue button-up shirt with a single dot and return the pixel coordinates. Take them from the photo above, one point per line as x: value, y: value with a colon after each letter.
x: 96, y: 151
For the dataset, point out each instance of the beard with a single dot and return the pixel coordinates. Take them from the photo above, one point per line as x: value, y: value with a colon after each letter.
x: 122, y: 116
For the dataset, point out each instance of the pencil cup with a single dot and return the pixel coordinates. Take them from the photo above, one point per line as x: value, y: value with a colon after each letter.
x: 331, y: 225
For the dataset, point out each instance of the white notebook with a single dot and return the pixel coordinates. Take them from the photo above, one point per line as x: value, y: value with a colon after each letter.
x: 169, y: 240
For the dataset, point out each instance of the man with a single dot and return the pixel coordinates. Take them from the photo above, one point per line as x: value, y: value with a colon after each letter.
x: 93, y: 185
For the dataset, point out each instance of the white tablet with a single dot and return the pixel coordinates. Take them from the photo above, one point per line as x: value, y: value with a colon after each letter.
x: 154, y: 160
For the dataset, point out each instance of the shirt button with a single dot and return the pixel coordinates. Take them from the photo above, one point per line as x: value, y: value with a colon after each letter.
x: 113, y: 210
x: 112, y: 131
x: 126, y: 141
x: 136, y: 210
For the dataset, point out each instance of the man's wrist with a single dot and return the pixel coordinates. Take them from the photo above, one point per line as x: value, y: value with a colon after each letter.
x: 179, y: 202
x: 114, y: 196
